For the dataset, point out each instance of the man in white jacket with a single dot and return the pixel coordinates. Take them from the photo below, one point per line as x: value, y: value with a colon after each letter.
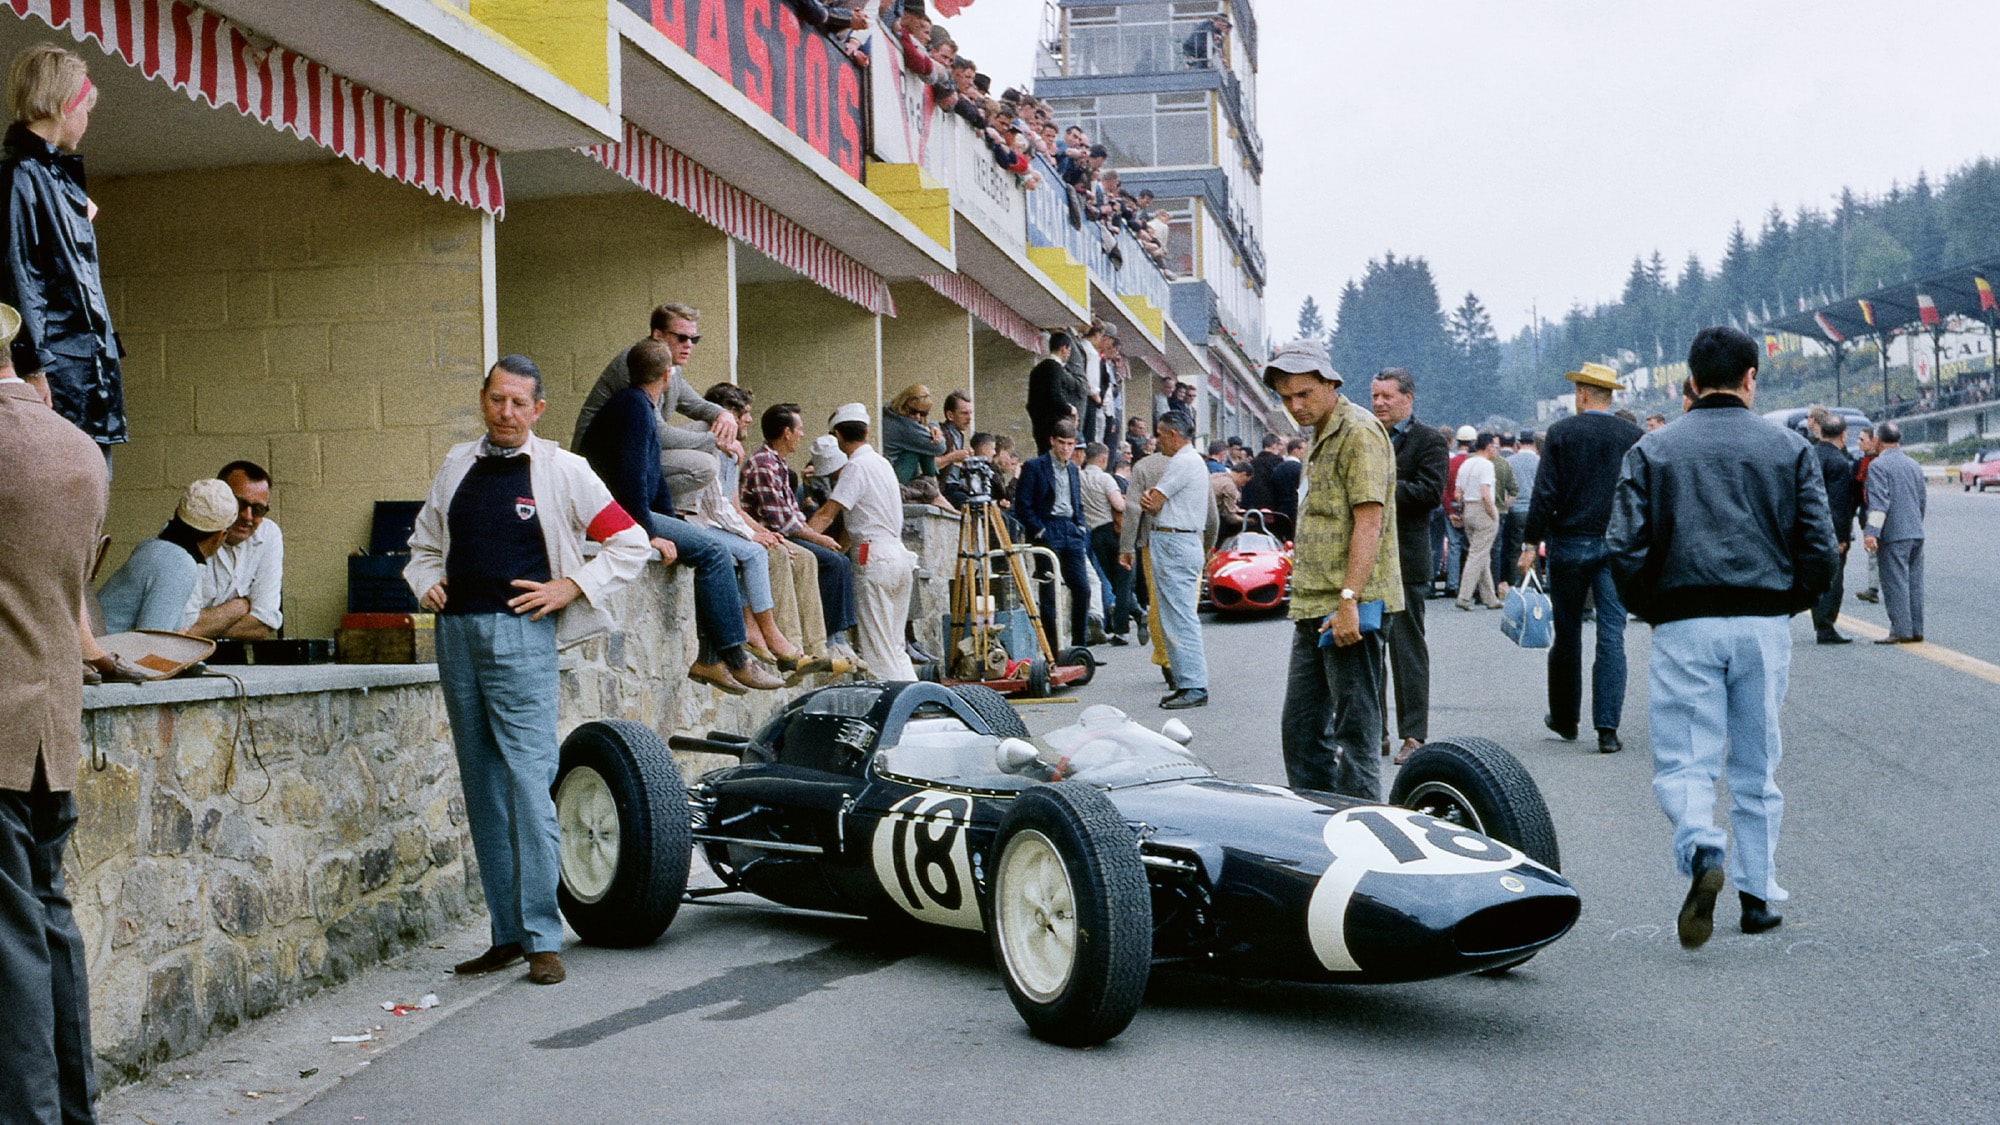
x: 497, y: 554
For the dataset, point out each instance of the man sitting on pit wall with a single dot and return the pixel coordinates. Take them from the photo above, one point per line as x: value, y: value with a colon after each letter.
x: 687, y: 456
x: 623, y: 447
x: 153, y: 588
x: 238, y: 594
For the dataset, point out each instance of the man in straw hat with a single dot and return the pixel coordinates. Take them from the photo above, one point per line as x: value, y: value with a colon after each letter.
x: 1345, y: 554
x: 52, y: 501
x: 1569, y: 511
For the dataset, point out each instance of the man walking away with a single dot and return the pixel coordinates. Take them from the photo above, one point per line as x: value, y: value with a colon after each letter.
x: 1869, y: 451
x: 1837, y: 473
x: 52, y: 503
x: 1421, y: 456
x: 1479, y: 500
x: 1525, y: 462
x: 1571, y: 506
x: 1345, y: 553
x: 1895, y: 534
x: 1722, y: 644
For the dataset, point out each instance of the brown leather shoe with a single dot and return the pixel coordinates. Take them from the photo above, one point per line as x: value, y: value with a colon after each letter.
x: 752, y: 675
x: 545, y: 968
x: 716, y: 675
x: 498, y: 957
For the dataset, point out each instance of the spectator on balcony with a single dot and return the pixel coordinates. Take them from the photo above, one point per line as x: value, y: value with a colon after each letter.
x: 957, y: 421
x: 687, y: 457
x: 970, y: 104
x: 1207, y: 46
x: 1086, y: 363
x: 911, y: 443
x: 956, y: 484
x: 1003, y: 140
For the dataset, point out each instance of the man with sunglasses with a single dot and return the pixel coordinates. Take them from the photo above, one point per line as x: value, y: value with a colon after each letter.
x: 687, y: 456
x: 238, y: 592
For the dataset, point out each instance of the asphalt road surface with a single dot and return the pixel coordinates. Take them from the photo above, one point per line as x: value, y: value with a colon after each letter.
x: 1876, y: 1001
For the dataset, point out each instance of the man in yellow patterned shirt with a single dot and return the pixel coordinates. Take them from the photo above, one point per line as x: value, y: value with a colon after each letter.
x: 1345, y: 576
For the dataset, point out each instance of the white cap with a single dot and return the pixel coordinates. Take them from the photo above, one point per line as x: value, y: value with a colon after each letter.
x: 827, y: 458
x: 852, y: 412
x: 207, y: 506
x: 1467, y: 433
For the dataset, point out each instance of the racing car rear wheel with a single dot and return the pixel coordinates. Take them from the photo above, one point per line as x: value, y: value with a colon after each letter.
x: 1475, y: 783
x: 1071, y: 914
x: 1079, y: 657
x: 623, y: 813
x: 990, y: 705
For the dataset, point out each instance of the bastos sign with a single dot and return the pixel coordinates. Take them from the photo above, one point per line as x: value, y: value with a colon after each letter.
x: 791, y: 71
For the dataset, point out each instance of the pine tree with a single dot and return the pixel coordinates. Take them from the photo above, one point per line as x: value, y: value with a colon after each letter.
x: 1312, y: 326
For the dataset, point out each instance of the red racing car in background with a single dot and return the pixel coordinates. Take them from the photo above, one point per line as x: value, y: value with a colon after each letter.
x: 1250, y: 571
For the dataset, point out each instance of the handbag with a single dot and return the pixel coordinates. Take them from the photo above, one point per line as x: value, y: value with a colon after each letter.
x: 1527, y: 618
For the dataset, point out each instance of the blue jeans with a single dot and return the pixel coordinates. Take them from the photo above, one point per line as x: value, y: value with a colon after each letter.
x: 836, y: 589
x: 1461, y: 545
x: 753, y: 570
x: 1578, y: 567
x: 1177, y: 560
x: 1331, y: 725
x: 718, y: 607
x: 1072, y: 551
x: 498, y: 673
x: 1717, y: 685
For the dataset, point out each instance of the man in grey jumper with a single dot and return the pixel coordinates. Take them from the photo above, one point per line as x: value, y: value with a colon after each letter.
x: 687, y: 456
x: 1895, y: 533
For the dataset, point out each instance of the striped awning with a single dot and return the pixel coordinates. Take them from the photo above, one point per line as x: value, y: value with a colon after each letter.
x: 971, y: 296
x: 676, y: 178
x: 212, y: 59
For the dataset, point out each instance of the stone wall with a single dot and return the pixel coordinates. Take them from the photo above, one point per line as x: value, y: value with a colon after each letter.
x: 211, y: 889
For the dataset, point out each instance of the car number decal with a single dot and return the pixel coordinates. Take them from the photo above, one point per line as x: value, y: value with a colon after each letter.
x: 1380, y: 838
x: 922, y: 856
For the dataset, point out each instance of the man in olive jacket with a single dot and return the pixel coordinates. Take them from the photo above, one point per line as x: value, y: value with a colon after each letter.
x: 1718, y: 535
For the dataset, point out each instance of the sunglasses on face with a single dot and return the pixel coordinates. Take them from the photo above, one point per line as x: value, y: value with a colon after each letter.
x: 257, y: 510
x: 685, y: 338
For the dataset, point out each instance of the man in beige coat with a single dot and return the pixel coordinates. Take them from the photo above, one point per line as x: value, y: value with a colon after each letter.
x: 52, y: 501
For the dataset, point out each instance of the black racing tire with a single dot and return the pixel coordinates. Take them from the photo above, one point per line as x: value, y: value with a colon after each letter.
x: 1071, y: 915
x: 1080, y: 657
x: 622, y: 809
x: 1001, y: 718
x: 1475, y: 783
x: 1038, y: 678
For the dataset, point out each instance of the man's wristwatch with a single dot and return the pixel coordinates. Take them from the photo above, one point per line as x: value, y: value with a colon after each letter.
x: 1348, y: 595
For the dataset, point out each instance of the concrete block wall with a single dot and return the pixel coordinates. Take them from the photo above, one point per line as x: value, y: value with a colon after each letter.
x: 577, y: 281
x: 319, y: 319
x: 1001, y: 404
x: 799, y: 343
x: 928, y: 341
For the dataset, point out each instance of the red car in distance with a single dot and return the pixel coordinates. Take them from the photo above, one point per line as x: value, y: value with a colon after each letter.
x: 1250, y: 571
x: 1982, y: 472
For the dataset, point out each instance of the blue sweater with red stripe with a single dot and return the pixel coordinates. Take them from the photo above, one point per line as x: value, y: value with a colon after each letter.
x: 623, y: 448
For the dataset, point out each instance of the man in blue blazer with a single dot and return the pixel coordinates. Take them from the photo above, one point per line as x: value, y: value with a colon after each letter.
x: 1049, y: 503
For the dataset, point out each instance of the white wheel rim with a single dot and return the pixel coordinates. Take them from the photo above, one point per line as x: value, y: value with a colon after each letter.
x: 1037, y: 916
x: 587, y: 816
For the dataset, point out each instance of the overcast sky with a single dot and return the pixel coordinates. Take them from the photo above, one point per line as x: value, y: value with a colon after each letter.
x: 1528, y: 148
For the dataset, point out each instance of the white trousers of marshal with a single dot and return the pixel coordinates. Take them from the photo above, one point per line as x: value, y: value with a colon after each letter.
x: 882, y: 608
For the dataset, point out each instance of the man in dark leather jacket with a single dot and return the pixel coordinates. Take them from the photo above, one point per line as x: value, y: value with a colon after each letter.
x: 1842, y: 497
x: 1718, y: 534
x: 51, y: 270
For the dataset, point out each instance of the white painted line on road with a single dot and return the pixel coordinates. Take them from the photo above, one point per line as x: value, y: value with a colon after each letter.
x: 1950, y: 658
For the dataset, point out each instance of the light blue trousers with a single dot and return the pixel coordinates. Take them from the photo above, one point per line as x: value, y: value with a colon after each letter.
x: 753, y: 570
x: 498, y: 672
x: 1177, y: 559
x: 1717, y: 685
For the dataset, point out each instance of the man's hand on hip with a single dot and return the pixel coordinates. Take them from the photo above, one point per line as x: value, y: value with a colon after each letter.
x: 543, y: 598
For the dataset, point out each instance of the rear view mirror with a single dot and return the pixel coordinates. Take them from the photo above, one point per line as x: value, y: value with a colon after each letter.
x: 1178, y: 731
x: 1014, y: 755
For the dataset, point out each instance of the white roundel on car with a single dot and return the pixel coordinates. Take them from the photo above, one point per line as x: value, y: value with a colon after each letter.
x: 922, y: 856
x: 1384, y: 838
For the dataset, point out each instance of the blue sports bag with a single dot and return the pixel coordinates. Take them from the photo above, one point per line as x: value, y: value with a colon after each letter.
x: 1527, y: 619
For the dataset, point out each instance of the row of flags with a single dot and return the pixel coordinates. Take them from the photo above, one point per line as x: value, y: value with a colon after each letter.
x: 1927, y: 310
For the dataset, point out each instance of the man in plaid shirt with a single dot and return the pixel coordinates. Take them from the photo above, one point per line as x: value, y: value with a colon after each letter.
x: 768, y: 498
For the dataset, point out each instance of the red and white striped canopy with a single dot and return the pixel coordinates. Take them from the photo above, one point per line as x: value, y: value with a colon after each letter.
x: 672, y: 176
x: 971, y: 296
x: 209, y: 58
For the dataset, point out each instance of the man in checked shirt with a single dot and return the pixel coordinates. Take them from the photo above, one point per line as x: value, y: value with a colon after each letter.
x: 768, y: 498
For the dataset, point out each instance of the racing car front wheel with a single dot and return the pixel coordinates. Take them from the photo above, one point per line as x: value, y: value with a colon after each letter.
x: 1071, y: 916
x: 622, y: 810
x: 1475, y: 783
